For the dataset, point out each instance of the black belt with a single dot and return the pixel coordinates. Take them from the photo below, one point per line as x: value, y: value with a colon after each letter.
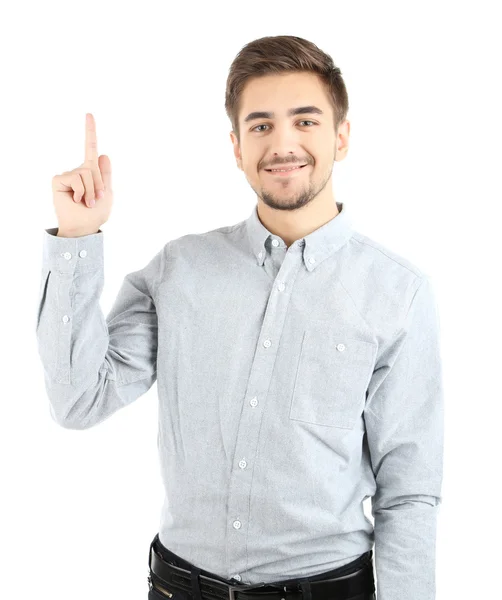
x: 171, y: 577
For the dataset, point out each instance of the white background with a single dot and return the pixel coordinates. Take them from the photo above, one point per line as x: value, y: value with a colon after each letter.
x: 422, y: 176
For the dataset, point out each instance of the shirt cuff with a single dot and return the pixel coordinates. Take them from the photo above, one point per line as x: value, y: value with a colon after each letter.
x: 70, y: 255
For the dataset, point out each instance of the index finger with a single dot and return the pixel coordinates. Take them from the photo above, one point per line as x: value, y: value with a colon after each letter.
x: 91, y: 143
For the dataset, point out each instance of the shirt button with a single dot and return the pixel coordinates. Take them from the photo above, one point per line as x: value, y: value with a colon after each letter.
x: 275, y: 243
x: 236, y: 577
x: 340, y: 347
x: 66, y: 318
x: 242, y: 464
x: 311, y: 260
x: 237, y: 524
x: 67, y: 255
x: 281, y: 287
x: 82, y: 253
x: 267, y: 343
x: 253, y: 401
x: 260, y: 254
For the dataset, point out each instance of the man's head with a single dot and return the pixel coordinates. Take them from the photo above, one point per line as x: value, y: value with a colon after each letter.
x: 269, y: 77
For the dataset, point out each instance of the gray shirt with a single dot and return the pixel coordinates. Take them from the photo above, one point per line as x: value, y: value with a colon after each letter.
x: 293, y: 384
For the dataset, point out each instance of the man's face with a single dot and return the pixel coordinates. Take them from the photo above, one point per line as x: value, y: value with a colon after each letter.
x: 274, y: 140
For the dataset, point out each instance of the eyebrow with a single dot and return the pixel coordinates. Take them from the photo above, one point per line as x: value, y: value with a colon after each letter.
x: 291, y: 112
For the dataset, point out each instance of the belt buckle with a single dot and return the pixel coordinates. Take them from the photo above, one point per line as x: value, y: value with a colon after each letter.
x: 245, y: 588
x: 231, y: 588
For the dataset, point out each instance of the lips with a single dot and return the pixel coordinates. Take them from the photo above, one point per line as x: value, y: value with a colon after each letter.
x: 287, y: 167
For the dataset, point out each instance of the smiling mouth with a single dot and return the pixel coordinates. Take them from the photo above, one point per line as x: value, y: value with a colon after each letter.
x: 290, y: 169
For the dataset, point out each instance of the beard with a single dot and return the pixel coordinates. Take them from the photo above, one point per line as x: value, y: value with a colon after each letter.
x: 292, y: 195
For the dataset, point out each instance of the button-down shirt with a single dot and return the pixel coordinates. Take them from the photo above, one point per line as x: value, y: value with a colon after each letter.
x: 293, y: 384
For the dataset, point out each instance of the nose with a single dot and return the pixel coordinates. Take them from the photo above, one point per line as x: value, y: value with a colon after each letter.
x: 284, y: 142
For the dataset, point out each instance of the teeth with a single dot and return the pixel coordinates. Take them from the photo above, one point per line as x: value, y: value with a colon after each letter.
x: 284, y: 170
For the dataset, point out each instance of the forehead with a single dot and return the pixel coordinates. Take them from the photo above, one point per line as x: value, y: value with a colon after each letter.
x: 280, y: 92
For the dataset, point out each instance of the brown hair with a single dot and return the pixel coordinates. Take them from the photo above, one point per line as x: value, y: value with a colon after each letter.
x: 279, y: 54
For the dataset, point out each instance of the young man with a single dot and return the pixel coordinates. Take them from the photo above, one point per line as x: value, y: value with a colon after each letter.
x: 297, y: 362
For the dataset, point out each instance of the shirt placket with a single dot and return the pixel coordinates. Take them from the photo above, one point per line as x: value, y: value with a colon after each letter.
x: 249, y: 426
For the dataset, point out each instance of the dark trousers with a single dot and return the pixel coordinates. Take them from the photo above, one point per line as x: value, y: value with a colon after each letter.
x: 179, y: 594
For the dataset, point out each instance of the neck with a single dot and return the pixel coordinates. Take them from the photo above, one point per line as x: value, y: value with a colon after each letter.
x: 292, y: 225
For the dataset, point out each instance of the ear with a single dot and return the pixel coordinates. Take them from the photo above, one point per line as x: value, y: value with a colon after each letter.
x: 342, y: 144
x: 237, y: 151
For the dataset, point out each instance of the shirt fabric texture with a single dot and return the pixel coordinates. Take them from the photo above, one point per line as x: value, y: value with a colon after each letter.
x: 293, y: 384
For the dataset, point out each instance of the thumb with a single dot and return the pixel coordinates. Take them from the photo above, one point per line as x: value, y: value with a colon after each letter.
x: 105, y: 168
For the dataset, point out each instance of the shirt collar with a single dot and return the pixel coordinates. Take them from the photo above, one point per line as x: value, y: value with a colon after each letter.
x: 316, y: 246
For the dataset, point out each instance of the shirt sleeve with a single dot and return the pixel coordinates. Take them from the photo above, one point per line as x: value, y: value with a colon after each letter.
x: 93, y: 366
x: 404, y: 423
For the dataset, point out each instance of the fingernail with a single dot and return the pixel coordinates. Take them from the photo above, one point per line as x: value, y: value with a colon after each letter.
x: 92, y: 202
x: 100, y: 194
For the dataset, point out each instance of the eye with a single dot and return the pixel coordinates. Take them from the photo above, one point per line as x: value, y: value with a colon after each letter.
x: 265, y: 125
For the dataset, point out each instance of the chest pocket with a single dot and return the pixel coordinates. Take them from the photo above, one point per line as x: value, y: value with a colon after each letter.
x: 332, y: 378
